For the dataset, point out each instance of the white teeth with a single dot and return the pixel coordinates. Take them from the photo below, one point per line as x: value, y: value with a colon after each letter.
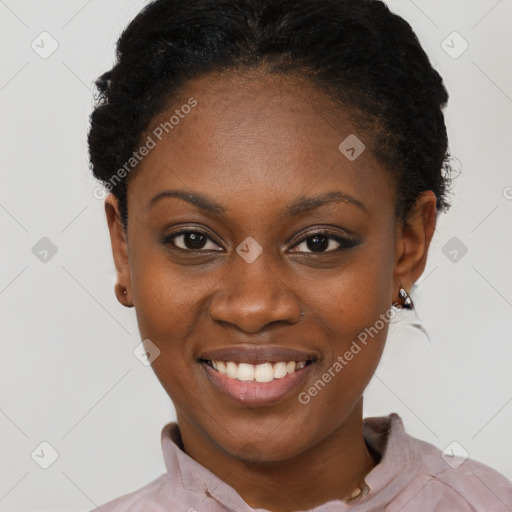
x: 231, y: 370
x: 291, y: 366
x: 263, y: 372
x: 280, y: 370
x: 245, y: 371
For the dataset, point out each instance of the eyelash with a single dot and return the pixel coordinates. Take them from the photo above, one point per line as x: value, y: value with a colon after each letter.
x: 344, y: 242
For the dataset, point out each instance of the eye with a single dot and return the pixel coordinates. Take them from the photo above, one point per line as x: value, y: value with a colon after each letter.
x: 191, y: 241
x: 320, y: 241
x: 323, y: 241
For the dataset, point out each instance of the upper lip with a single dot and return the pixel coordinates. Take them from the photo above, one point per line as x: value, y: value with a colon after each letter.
x: 254, y: 354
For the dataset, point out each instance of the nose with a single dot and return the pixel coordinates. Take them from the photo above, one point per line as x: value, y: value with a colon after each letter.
x: 253, y: 295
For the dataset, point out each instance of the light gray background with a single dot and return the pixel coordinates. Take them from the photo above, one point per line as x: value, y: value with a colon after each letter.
x: 68, y: 374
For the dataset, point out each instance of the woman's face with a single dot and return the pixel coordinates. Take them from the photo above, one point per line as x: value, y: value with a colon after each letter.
x: 234, y: 269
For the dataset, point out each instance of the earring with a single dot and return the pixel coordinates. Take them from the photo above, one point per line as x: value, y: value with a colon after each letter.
x: 122, y: 295
x: 406, y: 301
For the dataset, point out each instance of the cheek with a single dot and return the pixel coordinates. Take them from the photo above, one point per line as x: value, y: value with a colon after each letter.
x: 170, y: 306
x: 355, y: 296
x: 167, y: 313
x: 355, y: 309
x: 357, y: 323
x: 166, y: 307
x: 166, y: 296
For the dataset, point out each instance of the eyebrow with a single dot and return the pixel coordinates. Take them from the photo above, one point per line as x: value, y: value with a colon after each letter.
x: 300, y: 205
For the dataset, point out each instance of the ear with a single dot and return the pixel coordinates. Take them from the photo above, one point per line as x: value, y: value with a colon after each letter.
x: 119, y: 243
x: 413, y: 241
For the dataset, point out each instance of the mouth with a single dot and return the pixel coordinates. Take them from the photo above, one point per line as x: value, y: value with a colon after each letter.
x: 255, y: 385
x: 262, y: 372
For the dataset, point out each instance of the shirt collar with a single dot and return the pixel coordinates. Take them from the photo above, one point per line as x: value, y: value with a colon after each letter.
x: 384, y: 436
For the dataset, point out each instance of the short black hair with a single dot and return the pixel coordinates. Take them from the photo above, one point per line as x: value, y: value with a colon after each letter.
x: 366, y: 58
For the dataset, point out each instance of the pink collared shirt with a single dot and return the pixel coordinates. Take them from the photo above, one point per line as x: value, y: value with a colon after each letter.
x: 412, y: 476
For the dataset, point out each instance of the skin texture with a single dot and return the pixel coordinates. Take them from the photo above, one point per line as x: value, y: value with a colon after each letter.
x: 255, y: 144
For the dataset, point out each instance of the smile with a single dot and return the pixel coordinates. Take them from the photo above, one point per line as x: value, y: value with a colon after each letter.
x: 257, y: 385
x: 264, y: 372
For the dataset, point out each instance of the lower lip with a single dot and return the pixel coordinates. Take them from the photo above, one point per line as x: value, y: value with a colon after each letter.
x: 256, y: 394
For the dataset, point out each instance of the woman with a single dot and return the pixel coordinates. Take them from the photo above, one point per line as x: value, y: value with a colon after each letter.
x: 276, y: 169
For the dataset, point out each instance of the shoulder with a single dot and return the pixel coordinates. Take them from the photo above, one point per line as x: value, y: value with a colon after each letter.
x: 449, y: 482
x: 153, y: 497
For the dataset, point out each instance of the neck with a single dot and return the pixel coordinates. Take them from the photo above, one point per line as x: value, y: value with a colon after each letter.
x: 329, y: 470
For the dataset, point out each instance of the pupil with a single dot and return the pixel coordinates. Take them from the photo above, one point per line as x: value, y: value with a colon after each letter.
x: 313, y: 244
x: 194, y: 240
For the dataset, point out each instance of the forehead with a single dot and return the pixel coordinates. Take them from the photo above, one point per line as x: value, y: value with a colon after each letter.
x: 258, y: 138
